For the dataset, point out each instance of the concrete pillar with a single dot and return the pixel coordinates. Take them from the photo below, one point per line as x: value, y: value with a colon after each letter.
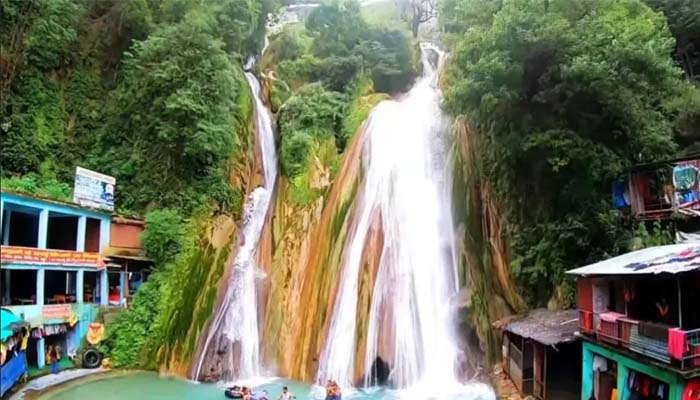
x: 104, y: 287
x: 43, y: 228
x: 587, y: 374
x: 79, y: 285
x: 622, y: 374
x: 40, y: 287
x: 6, y: 228
x: 40, y: 353
x: 8, y: 294
x: 105, y: 224
x: 80, y: 242
x: 122, y: 287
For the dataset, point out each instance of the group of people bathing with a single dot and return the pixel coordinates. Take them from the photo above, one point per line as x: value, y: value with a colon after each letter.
x: 246, y: 393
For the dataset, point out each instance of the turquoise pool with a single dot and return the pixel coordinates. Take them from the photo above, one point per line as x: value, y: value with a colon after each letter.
x: 144, y: 385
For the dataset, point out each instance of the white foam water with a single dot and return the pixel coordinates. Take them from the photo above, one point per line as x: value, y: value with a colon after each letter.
x: 237, y: 318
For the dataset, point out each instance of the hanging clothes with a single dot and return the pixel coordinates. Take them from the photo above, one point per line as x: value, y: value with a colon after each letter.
x: 692, y: 391
x: 600, y: 364
x: 684, y: 177
x: 677, y: 346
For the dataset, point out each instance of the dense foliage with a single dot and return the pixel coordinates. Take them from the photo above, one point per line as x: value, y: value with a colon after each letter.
x: 325, y: 76
x: 164, y: 238
x: 562, y: 97
x: 150, y: 92
x: 132, y: 331
x: 173, y: 125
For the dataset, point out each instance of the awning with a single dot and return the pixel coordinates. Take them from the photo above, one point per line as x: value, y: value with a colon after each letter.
x: 9, y: 324
x: 671, y: 259
x: 544, y: 326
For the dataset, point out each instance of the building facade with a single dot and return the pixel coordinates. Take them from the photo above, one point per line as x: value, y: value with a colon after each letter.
x: 54, y: 275
x: 640, y: 324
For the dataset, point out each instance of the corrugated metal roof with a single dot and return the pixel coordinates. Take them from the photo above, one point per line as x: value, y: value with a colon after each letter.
x: 546, y: 327
x: 671, y: 259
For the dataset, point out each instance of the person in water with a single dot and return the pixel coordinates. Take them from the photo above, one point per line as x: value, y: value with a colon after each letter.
x: 332, y: 391
x: 236, y: 391
x: 286, y: 394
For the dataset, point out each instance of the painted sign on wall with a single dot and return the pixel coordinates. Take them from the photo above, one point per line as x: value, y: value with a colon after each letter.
x: 55, y: 311
x: 93, y: 189
x: 28, y: 255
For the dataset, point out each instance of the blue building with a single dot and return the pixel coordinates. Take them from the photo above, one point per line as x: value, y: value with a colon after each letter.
x: 54, y: 272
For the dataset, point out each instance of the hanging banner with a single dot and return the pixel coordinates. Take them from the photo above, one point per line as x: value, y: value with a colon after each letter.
x: 93, y: 189
x: 56, y: 311
x: 14, y: 254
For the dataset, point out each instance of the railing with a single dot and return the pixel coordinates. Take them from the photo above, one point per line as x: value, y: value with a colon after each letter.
x: 585, y: 321
x: 625, y: 333
x: 691, y: 357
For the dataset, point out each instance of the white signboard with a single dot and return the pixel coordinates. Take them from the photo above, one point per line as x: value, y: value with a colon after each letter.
x: 93, y: 189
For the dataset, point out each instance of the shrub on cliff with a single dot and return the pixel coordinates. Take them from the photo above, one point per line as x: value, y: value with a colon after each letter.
x: 163, y: 237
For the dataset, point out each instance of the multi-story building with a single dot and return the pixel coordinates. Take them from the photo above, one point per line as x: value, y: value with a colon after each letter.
x: 639, y: 319
x: 59, y: 263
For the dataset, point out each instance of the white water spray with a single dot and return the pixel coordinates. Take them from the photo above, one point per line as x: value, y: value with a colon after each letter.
x: 407, y: 181
x: 236, y: 321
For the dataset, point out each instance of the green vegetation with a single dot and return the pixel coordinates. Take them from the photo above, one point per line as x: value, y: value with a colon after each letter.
x: 163, y: 239
x: 37, y: 185
x: 133, y: 330
x: 150, y: 92
x: 560, y: 98
x: 327, y: 76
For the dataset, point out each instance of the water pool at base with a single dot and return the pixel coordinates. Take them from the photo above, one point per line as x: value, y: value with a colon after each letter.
x: 152, y: 387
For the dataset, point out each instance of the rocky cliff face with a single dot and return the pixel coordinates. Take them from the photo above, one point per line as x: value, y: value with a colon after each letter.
x: 303, y: 246
x: 203, y: 271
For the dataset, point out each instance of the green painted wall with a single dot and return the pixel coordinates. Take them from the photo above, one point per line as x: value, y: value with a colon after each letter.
x: 624, y: 366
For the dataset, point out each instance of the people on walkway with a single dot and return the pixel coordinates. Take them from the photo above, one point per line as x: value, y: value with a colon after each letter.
x: 54, y: 357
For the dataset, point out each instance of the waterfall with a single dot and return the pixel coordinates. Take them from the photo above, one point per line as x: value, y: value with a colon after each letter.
x: 408, y: 182
x: 235, y: 324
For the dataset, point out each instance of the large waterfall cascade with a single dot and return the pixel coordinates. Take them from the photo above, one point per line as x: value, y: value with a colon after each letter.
x: 407, y: 181
x: 236, y: 321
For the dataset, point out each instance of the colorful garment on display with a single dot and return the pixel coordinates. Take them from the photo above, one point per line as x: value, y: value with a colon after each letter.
x: 621, y: 196
x: 684, y: 177
x: 677, y: 345
x: 644, y: 387
x: 95, y: 333
x: 37, y: 333
x: 692, y: 391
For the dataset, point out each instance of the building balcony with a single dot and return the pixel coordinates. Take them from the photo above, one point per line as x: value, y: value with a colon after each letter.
x: 668, y: 345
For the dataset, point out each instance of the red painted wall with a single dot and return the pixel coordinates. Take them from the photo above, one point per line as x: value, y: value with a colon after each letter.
x: 126, y: 233
x: 584, y: 294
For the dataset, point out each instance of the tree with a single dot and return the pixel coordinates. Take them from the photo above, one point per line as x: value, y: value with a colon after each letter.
x: 684, y: 21
x: 417, y: 12
x: 561, y: 103
x: 174, y: 122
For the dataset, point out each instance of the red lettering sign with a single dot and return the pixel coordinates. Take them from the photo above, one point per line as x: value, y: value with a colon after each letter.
x: 14, y: 254
x: 56, y: 311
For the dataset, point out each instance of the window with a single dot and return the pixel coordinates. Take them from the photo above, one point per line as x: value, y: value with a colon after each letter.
x: 62, y: 232
x: 23, y: 229
x: 92, y: 235
x: 59, y: 287
x: 18, y: 287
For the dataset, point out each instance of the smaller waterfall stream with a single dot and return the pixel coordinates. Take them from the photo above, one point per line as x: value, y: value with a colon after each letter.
x: 235, y: 327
